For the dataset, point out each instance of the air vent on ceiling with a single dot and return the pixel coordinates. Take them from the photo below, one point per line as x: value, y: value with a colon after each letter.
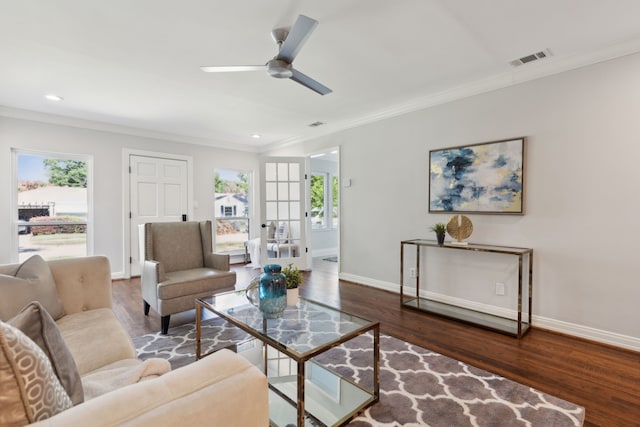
x: 531, y: 58
x: 316, y: 124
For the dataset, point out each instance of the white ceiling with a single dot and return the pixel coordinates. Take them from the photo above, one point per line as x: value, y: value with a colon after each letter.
x: 135, y: 63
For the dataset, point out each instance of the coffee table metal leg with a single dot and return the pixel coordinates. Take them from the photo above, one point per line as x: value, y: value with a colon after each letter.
x: 301, y: 393
x: 198, y: 314
x: 376, y: 361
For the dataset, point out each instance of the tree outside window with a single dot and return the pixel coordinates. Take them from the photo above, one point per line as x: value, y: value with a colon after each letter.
x: 318, y: 201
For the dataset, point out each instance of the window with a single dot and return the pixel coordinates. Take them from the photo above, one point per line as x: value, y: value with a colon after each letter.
x: 324, y: 201
x: 318, y: 200
x: 52, y: 205
x: 232, y: 210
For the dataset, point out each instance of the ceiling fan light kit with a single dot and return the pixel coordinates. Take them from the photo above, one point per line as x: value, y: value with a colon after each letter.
x: 279, y: 69
x: 281, y: 66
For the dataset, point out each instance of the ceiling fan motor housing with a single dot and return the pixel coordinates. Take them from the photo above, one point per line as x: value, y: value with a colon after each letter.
x: 279, y: 69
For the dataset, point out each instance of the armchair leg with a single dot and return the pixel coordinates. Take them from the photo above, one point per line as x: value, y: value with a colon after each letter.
x: 146, y: 308
x: 164, y: 324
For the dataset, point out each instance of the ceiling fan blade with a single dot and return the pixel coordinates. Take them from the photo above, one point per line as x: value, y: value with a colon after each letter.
x: 232, y: 68
x: 298, y: 35
x: 307, y: 81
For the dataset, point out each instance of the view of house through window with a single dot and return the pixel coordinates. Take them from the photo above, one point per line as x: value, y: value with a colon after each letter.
x: 52, y: 206
x: 231, y: 210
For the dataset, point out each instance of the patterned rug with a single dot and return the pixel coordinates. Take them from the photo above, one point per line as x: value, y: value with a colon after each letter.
x: 418, y: 387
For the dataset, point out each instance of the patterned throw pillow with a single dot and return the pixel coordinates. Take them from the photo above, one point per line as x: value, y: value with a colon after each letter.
x: 37, y: 324
x: 30, y: 389
x: 33, y: 281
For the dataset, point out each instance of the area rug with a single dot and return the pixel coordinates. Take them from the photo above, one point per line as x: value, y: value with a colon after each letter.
x: 418, y: 387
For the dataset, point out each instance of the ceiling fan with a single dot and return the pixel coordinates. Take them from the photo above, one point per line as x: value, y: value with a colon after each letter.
x: 289, y: 41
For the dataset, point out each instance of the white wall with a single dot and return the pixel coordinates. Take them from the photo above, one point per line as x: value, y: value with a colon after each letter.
x: 582, y: 192
x: 106, y: 149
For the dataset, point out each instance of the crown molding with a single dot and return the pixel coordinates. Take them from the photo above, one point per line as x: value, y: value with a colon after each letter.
x: 537, y: 70
x: 17, y: 113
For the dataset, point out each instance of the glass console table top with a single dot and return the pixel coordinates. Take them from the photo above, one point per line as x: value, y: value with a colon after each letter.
x: 470, y: 246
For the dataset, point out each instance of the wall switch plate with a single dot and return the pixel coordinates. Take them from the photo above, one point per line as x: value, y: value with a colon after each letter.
x: 499, y: 288
x: 412, y: 272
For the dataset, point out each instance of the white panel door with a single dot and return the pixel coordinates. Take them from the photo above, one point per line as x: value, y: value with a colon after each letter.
x: 283, y: 237
x: 158, y: 191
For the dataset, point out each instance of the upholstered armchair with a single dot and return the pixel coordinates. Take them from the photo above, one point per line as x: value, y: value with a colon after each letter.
x: 180, y: 266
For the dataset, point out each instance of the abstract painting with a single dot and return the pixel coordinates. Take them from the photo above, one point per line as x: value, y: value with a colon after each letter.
x: 479, y: 178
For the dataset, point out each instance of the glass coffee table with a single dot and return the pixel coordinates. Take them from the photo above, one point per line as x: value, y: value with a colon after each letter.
x: 302, y: 391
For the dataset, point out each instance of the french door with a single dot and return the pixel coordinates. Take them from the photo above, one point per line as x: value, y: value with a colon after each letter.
x: 283, y: 237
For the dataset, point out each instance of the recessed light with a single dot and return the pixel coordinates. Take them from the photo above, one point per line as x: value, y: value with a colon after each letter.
x: 53, y: 97
x: 255, y: 136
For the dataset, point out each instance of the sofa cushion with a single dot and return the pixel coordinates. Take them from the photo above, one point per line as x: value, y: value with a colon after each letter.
x: 195, y: 281
x: 37, y: 324
x: 33, y: 281
x: 30, y: 389
x: 95, y: 338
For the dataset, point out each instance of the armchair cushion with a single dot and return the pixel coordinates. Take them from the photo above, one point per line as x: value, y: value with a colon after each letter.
x: 32, y: 281
x: 30, y: 389
x: 37, y: 324
x: 195, y: 282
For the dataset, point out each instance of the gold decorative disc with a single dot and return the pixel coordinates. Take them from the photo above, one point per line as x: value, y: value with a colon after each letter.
x: 459, y: 227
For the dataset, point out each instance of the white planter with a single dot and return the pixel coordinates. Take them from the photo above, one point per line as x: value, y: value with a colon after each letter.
x: 292, y: 296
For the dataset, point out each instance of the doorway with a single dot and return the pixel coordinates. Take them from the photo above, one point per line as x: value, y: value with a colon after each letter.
x: 324, y: 197
x: 159, y: 188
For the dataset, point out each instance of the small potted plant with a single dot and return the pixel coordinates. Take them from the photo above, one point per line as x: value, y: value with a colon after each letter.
x: 440, y: 229
x: 293, y: 279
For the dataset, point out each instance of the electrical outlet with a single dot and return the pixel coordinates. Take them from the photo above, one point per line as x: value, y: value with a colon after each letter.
x: 412, y: 272
x: 499, y: 288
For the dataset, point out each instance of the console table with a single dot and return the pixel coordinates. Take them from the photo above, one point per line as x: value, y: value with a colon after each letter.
x: 517, y: 326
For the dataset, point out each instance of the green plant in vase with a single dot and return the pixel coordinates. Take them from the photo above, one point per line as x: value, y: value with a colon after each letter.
x: 293, y: 279
x: 440, y: 229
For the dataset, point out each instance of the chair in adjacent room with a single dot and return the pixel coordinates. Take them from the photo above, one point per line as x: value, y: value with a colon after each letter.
x: 179, y: 265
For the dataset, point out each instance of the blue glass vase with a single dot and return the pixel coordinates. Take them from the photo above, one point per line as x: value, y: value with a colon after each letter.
x: 271, y: 292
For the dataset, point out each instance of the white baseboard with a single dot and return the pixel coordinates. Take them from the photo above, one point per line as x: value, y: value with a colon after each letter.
x: 593, y: 334
x: 117, y: 275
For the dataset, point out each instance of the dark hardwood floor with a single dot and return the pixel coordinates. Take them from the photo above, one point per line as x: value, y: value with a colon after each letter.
x: 603, y: 379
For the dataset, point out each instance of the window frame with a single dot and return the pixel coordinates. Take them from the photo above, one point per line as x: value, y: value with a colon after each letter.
x: 16, y: 223
x: 222, y: 215
x: 329, y: 221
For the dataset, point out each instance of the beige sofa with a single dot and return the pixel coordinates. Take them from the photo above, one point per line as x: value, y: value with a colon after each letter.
x: 222, y: 389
